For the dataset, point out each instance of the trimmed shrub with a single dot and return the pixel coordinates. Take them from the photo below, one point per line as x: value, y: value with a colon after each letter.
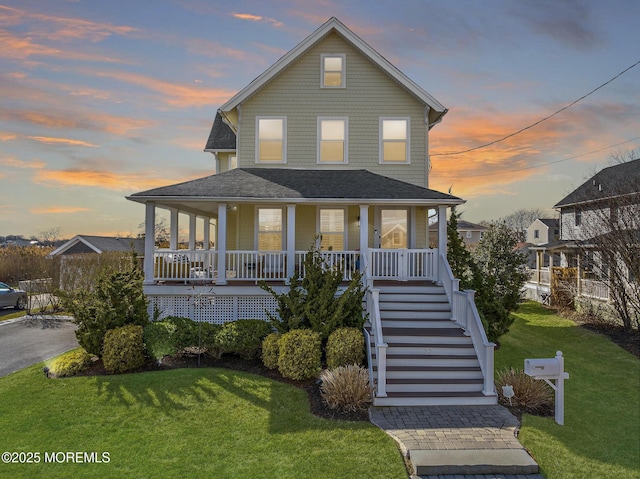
x: 346, y: 388
x: 270, y: 350
x: 70, y: 363
x: 123, y: 349
x: 530, y: 395
x: 209, y: 339
x: 158, y: 339
x: 300, y: 353
x: 345, y: 346
x: 184, y: 333
x: 243, y: 337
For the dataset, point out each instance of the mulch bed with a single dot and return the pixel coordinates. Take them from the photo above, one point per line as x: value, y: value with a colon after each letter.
x: 312, y: 387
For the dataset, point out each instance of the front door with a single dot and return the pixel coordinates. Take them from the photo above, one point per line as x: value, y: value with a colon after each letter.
x: 390, y: 260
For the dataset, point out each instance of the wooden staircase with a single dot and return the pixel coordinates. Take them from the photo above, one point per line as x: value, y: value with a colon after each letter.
x: 430, y: 361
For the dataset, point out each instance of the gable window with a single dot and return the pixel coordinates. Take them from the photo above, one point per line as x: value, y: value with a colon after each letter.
x: 394, y: 140
x: 333, y: 75
x: 536, y: 234
x: 332, y: 140
x: 331, y: 229
x: 271, y: 139
x: 578, y: 217
x: 270, y: 229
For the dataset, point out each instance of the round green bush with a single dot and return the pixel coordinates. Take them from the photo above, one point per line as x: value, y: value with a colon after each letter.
x: 270, y: 350
x: 244, y: 337
x: 300, y: 354
x: 209, y: 339
x: 123, y: 349
x: 345, y: 346
x: 70, y: 363
x: 158, y: 339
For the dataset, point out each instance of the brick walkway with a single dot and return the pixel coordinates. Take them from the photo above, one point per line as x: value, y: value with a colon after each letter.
x: 456, y: 433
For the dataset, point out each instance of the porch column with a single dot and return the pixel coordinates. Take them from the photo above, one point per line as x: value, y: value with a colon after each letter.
x: 538, y: 265
x: 364, y: 237
x: 442, y: 230
x: 192, y: 231
x: 206, y: 241
x: 579, y: 274
x: 173, y: 227
x: 221, y: 243
x: 149, y: 241
x: 291, y: 240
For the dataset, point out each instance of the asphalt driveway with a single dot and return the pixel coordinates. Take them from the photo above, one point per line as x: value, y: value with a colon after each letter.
x: 25, y: 341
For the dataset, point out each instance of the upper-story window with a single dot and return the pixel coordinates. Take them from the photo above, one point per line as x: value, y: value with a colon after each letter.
x: 394, y: 140
x: 233, y: 162
x: 332, y: 140
x: 333, y: 74
x: 536, y: 234
x: 578, y: 217
x: 271, y: 140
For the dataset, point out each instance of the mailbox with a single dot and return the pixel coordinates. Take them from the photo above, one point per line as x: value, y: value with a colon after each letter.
x: 542, y: 368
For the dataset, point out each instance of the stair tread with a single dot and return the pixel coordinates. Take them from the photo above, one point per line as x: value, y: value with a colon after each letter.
x: 430, y: 356
x: 433, y: 381
x: 415, y: 394
x: 399, y: 331
x: 430, y: 368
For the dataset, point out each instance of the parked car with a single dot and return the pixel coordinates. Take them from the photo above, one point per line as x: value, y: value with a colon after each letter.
x: 16, y: 298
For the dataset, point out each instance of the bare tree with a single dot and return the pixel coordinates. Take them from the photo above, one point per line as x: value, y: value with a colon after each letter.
x: 520, y: 220
x: 161, y: 231
x: 51, y: 236
x: 609, y: 246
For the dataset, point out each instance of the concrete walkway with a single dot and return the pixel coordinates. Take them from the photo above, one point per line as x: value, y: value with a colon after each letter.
x: 442, y: 442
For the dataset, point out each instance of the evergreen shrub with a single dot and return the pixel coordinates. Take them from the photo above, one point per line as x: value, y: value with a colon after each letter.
x: 345, y: 346
x: 300, y: 354
x: 157, y: 339
x: 243, y: 337
x: 70, y: 363
x: 123, y: 349
x: 271, y: 350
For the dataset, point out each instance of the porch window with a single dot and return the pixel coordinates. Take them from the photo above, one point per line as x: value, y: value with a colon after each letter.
x: 271, y: 140
x: 332, y: 140
x: 270, y: 229
x: 233, y: 162
x: 394, y: 140
x: 333, y: 71
x: 394, y: 229
x: 332, y: 229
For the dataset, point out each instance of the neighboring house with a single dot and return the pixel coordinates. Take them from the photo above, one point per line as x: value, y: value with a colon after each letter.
x: 83, y: 255
x: 470, y: 233
x: 329, y: 144
x: 599, y: 217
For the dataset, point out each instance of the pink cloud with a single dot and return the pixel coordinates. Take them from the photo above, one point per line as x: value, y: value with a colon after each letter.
x: 57, y: 210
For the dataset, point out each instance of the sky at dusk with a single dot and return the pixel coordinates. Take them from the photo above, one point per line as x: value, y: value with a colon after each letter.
x: 102, y: 99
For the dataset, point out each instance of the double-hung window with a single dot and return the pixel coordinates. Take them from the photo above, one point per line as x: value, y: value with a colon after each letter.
x: 394, y: 140
x: 333, y: 74
x: 271, y: 140
x: 270, y: 229
x: 332, y: 237
x: 332, y: 140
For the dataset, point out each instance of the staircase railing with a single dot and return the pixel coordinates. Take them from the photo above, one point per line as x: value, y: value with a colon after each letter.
x: 373, y: 308
x: 465, y: 314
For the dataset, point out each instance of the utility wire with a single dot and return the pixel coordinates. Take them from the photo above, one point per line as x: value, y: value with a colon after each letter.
x: 550, y: 162
x: 541, y: 120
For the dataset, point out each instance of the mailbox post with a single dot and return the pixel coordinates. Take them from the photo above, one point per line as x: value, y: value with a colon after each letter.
x: 548, y: 369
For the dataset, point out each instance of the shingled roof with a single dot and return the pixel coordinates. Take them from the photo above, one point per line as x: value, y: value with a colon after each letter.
x: 292, y: 184
x: 221, y: 136
x: 618, y: 180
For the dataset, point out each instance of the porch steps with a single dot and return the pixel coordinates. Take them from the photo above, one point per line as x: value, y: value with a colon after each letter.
x: 430, y: 361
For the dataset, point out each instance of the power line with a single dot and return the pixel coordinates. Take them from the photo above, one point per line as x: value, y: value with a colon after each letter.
x: 541, y: 120
x: 550, y: 162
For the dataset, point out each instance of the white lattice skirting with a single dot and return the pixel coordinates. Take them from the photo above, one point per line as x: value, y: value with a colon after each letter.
x: 216, y: 309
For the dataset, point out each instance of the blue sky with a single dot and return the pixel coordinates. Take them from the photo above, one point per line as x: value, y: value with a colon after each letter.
x: 99, y: 100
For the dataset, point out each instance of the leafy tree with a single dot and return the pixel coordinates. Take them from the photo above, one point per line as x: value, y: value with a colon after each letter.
x: 117, y: 299
x: 314, y: 301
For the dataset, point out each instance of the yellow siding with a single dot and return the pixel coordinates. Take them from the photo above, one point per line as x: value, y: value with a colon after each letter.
x: 305, y: 226
x: 369, y: 94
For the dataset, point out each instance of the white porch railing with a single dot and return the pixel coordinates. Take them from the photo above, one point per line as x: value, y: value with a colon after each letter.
x: 373, y: 309
x: 465, y: 314
x: 540, y: 276
x: 403, y: 264
x: 192, y: 266
x: 592, y: 288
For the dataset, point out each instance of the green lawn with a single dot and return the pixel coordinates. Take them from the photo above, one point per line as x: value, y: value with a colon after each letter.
x: 183, y: 423
x: 601, y: 435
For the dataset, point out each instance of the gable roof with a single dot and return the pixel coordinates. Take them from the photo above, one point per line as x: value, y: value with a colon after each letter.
x: 221, y: 138
x: 611, y: 182
x: 437, y: 110
x: 101, y: 244
x: 550, y: 222
x: 297, y: 186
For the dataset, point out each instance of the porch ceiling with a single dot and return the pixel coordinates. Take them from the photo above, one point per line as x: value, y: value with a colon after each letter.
x: 284, y: 185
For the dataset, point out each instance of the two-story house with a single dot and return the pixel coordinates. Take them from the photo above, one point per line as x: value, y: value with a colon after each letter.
x: 330, y: 142
x: 598, y: 243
